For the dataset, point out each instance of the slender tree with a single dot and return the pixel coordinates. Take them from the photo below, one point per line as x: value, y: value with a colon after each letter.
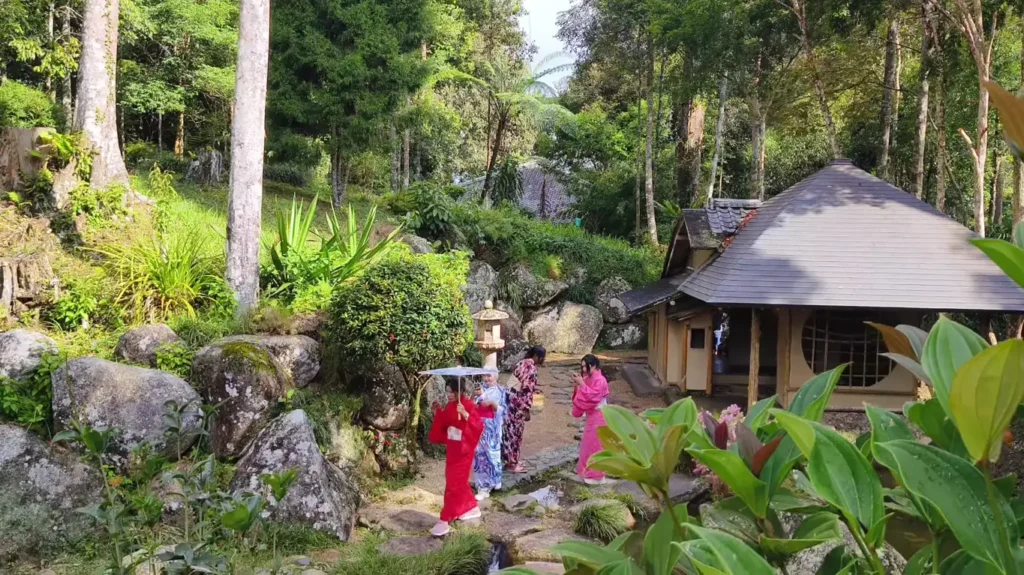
x: 921, y: 126
x: 652, y: 224
x: 723, y: 95
x: 95, y: 110
x: 969, y: 19
x: 245, y: 200
x: 689, y: 148
x: 891, y: 95
x: 799, y: 9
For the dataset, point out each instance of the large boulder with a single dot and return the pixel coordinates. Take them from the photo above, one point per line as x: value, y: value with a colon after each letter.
x: 104, y: 394
x: 417, y: 245
x: 512, y: 326
x: 631, y: 335
x: 386, y: 401
x: 514, y: 352
x: 536, y: 291
x: 565, y: 328
x: 606, y: 299
x: 247, y: 382
x: 40, y: 490
x: 481, y: 285
x: 324, y: 497
x: 21, y: 352
x: 298, y: 355
x: 139, y: 345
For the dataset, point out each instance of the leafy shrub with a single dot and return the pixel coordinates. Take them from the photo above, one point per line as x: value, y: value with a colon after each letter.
x: 430, y: 211
x: 137, y: 153
x: 505, y: 236
x: 73, y: 309
x: 508, y: 182
x: 22, y: 106
x: 28, y: 402
x: 407, y: 311
x: 603, y: 520
x: 371, y: 170
x: 175, y: 358
x: 315, y: 297
x: 96, y: 202
x: 293, y: 174
x: 163, y: 276
x: 344, y: 254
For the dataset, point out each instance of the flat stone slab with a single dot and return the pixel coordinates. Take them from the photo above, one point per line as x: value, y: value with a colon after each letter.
x: 537, y: 547
x: 545, y: 568
x: 641, y: 380
x: 515, y: 503
x: 541, y: 462
x: 507, y: 528
x: 401, y: 521
x: 406, y: 546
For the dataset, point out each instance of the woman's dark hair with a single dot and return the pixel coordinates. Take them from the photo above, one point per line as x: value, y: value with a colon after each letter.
x: 537, y: 354
x: 591, y: 361
x: 452, y: 383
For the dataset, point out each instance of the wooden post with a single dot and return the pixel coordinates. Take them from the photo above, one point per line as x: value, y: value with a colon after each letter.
x: 782, y: 374
x: 755, y: 357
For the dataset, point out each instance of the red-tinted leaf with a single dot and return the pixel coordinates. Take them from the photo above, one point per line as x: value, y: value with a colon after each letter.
x: 747, y: 442
x: 762, y: 455
x: 722, y: 435
x: 710, y: 423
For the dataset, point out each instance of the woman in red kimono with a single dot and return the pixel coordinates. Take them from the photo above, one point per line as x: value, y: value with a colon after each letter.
x: 458, y: 425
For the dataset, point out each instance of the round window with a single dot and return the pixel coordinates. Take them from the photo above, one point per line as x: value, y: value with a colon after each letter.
x: 831, y: 338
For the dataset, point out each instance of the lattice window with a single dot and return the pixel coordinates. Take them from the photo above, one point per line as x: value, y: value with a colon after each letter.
x: 832, y: 338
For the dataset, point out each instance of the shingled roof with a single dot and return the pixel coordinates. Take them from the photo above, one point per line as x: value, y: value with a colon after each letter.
x: 843, y: 238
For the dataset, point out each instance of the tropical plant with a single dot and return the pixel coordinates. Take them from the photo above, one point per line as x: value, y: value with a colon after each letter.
x: 785, y: 460
x: 297, y: 263
x: 508, y: 182
x: 166, y: 275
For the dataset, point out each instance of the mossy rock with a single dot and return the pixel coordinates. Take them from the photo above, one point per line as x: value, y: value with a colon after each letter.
x: 247, y: 383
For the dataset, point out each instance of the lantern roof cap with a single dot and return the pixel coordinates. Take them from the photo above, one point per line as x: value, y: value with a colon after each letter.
x: 489, y: 313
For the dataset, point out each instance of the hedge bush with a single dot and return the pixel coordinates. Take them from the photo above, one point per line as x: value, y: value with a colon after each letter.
x: 23, y: 106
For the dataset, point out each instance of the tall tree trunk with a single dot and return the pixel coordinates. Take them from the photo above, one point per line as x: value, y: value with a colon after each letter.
x: 1018, y: 166
x: 499, y: 134
x: 757, y: 126
x: 798, y: 8
x: 544, y: 197
x: 66, y: 97
x: 406, y: 164
x: 723, y: 91
x: 179, y: 137
x: 396, y: 160
x: 997, y: 190
x: 689, y: 149
x: 638, y: 225
x: 921, y: 128
x: 159, y: 131
x: 245, y: 199
x: 339, y: 177
x: 652, y: 224
x: 969, y: 18
x: 889, y: 97
x: 49, y: 30
x: 95, y: 111
x: 942, y: 153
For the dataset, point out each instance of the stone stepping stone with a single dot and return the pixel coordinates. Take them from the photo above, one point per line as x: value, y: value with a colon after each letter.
x: 507, y: 528
x: 406, y: 521
x: 517, y: 503
x: 537, y: 547
x: 406, y: 546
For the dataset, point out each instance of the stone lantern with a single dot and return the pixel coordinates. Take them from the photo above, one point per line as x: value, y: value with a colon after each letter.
x: 488, y: 333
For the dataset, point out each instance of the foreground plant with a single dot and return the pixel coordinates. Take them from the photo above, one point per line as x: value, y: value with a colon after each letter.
x: 785, y: 460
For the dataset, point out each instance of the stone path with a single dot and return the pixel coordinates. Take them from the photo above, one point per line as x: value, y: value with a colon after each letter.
x: 540, y: 463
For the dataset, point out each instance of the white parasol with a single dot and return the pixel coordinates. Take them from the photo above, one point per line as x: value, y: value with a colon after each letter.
x: 459, y: 372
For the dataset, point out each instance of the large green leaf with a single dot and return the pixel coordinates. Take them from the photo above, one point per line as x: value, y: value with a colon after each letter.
x: 812, y: 399
x: 886, y: 426
x: 815, y: 530
x: 931, y: 418
x: 949, y: 346
x: 958, y: 491
x: 634, y: 433
x: 731, y: 469
x: 778, y: 466
x: 588, y: 554
x: 724, y: 553
x: 1007, y: 256
x: 838, y: 471
x: 911, y: 365
x: 621, y: 467
x: 985, y: 395
x: 758, y: 415
x: 732, y: 516
x: 917, y: 338
x: 659, y: 553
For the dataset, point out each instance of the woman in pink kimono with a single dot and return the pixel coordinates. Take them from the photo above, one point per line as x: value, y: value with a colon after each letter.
x: 589, y: 395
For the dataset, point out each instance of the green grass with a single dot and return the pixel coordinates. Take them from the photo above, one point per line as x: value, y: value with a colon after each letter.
x: 464, y: 553
x: 603, y: 521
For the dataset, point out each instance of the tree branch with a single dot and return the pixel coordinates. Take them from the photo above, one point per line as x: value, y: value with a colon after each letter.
x: 970, y: 144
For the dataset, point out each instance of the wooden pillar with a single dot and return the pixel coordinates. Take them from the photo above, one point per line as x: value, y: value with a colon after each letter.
x: 755, y: 357
x: 782, y: 374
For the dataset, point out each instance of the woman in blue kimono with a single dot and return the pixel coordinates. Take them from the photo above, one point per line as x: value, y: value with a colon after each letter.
x: 487, y: 466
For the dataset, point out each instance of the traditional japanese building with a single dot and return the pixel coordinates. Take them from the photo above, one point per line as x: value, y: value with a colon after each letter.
x: 783, y: 289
